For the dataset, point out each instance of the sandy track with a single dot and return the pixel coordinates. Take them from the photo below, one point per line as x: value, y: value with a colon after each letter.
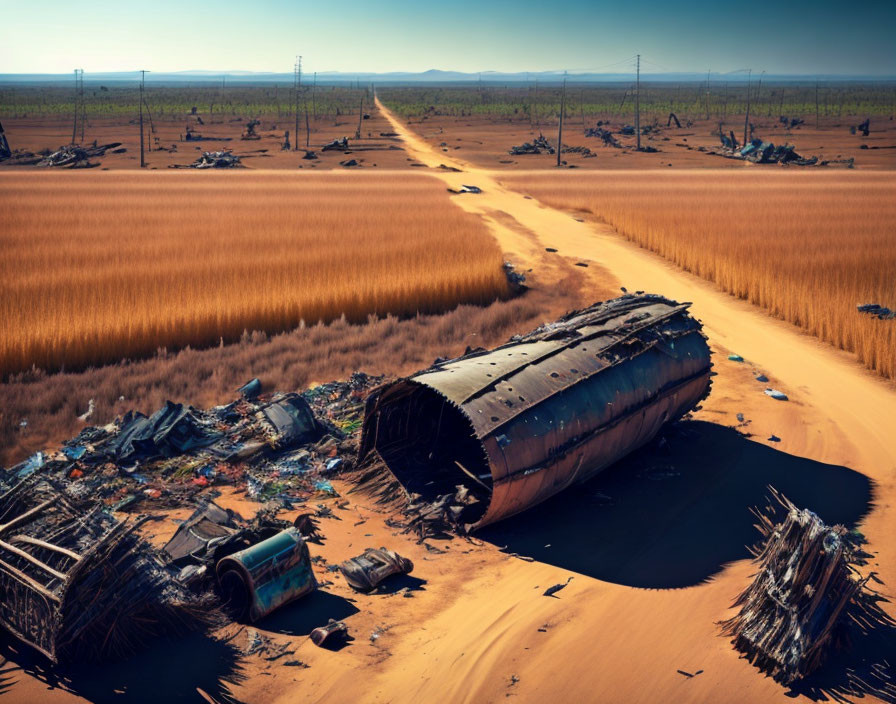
x: 838, y: 414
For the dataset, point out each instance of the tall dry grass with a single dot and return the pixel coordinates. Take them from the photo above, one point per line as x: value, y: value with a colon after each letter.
x: 806, y: 246
x: 100, y: 266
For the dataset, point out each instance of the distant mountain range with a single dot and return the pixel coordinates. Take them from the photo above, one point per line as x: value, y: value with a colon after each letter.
x: 433, y: 76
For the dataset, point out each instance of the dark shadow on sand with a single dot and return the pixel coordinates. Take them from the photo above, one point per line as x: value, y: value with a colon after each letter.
x: 304, y: 615
x: 169, y: 671
x: 672, y: 515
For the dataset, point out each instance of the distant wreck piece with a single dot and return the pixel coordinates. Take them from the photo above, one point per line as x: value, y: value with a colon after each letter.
x: 805, y: 592
x: 335, y: 145
x: 77, y: 584
x: 465, y: 189
x: 213, y: 160
x: 536, y: 146
x: 476, y: 439
x: 366, y: 571
x: 5, y: 151
x: 76, y: 156
x: 878, y: 311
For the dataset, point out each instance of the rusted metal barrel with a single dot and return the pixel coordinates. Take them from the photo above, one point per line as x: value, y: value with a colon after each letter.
x: 522, y: 422
x: 256, y: 581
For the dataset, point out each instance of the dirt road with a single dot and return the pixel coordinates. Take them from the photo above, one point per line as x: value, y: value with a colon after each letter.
x: 838, y: 414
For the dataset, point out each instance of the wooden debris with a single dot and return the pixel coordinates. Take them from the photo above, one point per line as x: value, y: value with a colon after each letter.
x: 77, y: 584
x: 805, y: 592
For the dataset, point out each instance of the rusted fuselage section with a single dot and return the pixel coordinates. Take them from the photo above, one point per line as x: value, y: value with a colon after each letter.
x: 551, y: 408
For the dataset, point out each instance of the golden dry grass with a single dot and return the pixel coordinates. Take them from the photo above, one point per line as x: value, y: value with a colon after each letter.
x: 99, y: 267
x: 806, y: 246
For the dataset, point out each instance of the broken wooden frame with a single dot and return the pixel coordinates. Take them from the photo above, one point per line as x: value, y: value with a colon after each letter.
x: 806, y: 591
x: 75, y: 583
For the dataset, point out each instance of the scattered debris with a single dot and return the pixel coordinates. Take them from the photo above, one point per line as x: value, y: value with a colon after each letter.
x: 73, y: 157
x: 250, y: 133
x: 349, y: 163
x: 278, y: 447
x: 465, y: 189
x: 539, y: 145
x: 774, y: 438
x: 689, y: 674
x: 5, y: 151
x: 310, y: 155
x: 806, y: 590
x: 366, y: 571
x: 878, y: 311
x: 864, y: 128
x: 212, y: 160
x: 336, y: 144
x: 762, y: 377
x: 334, y: 633
x: 516, y: 279
x: 77, y: 584
x: 775, y: 394
x: 550, y: 591
x: 91, y: 406
x: 584, y: 151
x: 735, y: 358
x: 604, y: 135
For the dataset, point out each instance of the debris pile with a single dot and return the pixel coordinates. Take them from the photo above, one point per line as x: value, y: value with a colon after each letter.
x: 792, y: 122
x: 5, y: 151
x: 584, y: 151
x: 806, y: 591
x: 606, y: 136
x: 864, y: 128
x: 539, y: 145
x: 336, y: 144
x: 76, y: 156
x: 250, y: 133
x: 878, y: 311
x: 224, y: 159
x: 759, y: 151
x: 277, y: 447
x: 77, y: 584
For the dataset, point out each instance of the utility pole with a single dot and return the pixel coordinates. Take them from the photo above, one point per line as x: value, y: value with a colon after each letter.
x: 747, y: 118
x: 816, y: 103
x: 707, y: 93
x: 638, y: 102
x: 142, y: 85
x: 80, y: 110
x: 313, y: 90
x: 296, y: 85
x: 759, y: 91
x: 560, y: 130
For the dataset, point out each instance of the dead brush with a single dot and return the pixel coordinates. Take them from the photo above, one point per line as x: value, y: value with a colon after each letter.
x: 806, y: 246
x: 101, y: 267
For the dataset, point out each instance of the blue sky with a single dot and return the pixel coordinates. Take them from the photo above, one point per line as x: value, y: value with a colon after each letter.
x: 799, y: 37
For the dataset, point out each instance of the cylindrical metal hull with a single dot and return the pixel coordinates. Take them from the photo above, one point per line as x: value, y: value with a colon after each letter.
x: 548, y: 409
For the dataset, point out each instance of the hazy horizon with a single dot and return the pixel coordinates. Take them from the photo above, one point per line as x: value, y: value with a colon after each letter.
x: 800, y: 38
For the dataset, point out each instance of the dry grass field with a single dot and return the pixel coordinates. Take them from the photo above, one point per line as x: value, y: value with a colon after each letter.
x: 102, y: 266
x: 807, y: 247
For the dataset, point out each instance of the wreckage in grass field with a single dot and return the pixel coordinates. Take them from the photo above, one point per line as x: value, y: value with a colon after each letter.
x: 476, y: 439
